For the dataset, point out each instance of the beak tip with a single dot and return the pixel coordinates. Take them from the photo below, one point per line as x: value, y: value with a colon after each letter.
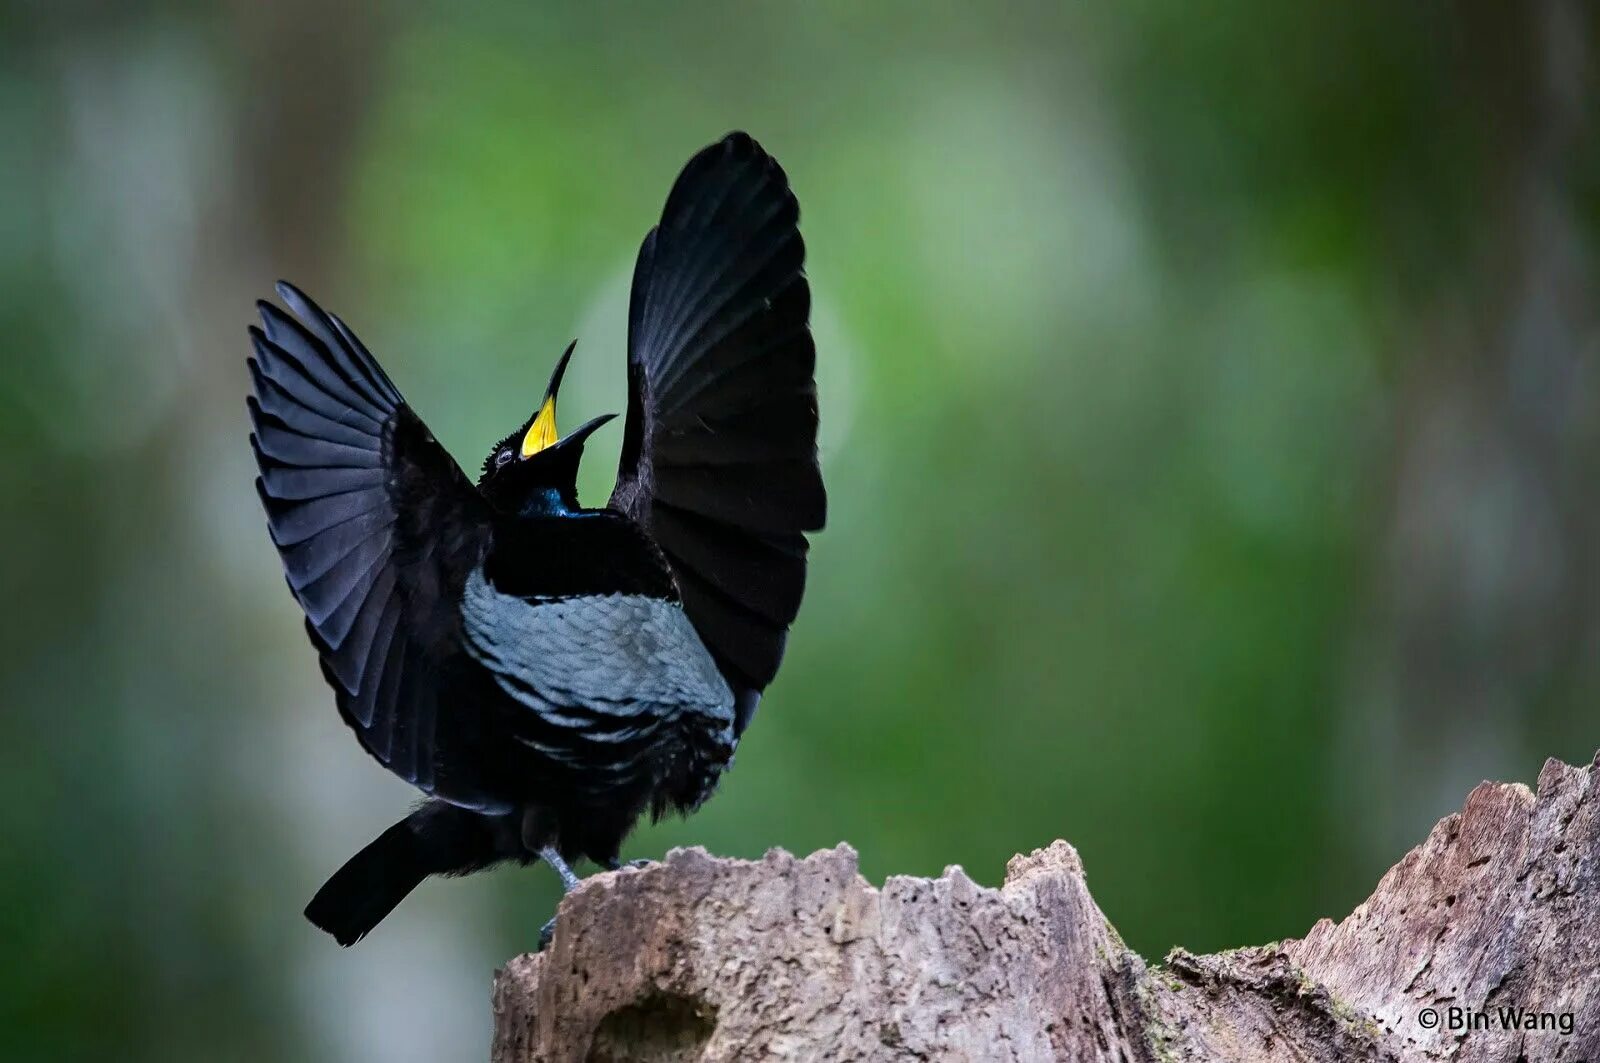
x: 560, y: 371
x: 588, y: 428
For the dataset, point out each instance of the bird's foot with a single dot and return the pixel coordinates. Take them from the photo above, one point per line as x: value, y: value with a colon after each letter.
x: 618, y: 865
x: 546, y: 932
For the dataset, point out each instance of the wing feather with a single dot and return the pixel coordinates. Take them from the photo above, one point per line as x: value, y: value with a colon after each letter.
x: 719, y: 462
x: 376, y: 526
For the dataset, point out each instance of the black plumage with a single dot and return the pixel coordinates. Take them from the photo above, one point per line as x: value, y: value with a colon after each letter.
x: 548, y: 673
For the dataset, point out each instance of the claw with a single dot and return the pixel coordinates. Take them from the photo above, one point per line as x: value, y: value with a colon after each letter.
x: 546, y: 932
x: 618, y: 865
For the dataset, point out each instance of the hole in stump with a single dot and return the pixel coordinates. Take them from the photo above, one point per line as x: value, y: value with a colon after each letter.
x: 661, y: 1028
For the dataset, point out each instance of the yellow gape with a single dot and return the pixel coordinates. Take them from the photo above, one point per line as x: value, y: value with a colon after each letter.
x: 542, y: 433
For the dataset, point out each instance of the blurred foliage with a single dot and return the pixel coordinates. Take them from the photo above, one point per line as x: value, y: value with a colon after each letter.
x: 1127, y: 318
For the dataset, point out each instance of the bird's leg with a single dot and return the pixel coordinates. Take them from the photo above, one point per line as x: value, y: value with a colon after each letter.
x: 569, y: 881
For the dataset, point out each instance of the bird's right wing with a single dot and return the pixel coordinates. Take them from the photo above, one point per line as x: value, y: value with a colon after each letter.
x: 719, y: 453
x: 377, y: 528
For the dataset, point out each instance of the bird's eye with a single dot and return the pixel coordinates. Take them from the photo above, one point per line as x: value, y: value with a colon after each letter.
x: 502, y: 458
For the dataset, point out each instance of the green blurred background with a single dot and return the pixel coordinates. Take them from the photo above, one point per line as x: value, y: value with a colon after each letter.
x: 1209, y: 412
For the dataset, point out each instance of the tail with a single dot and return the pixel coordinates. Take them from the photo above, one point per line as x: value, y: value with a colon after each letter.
x: 436, y: 839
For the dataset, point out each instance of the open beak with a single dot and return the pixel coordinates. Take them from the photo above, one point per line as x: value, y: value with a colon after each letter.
x: 542, y: 432
x: 580, y: 433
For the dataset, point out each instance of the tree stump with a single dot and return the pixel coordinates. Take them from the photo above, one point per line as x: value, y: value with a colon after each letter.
x: 1482, y: 944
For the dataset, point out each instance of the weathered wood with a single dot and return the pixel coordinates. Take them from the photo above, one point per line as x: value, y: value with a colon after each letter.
x: 700, y: 958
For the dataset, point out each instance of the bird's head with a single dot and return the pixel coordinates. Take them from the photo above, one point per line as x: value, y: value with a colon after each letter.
x: 534, y: 469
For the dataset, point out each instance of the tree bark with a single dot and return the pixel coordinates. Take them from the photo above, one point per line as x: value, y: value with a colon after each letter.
x: 1495, y: 915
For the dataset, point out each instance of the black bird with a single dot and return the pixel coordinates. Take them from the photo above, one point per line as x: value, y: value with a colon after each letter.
x: 548, y: 673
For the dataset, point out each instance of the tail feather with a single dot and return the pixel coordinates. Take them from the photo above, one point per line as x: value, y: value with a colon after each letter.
x: 436, y: 839
x: 369, y: 886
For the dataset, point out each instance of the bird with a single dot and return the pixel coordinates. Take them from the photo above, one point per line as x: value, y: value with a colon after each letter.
x: 544, y: 673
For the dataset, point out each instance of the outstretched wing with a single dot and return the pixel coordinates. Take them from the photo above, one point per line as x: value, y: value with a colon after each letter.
x: 719, y: 455
x: 377, y: 527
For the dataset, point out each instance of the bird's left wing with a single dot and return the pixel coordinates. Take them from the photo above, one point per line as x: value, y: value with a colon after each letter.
x: 719, y: 451
x: 378, y: 528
